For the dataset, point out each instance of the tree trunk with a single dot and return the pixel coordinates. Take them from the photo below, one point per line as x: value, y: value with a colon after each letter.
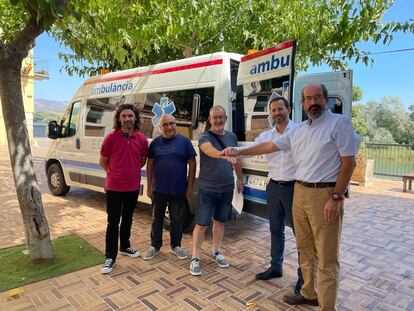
x: 27, y: 188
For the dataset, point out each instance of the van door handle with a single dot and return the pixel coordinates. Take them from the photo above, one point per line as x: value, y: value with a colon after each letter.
x: 77, y: 143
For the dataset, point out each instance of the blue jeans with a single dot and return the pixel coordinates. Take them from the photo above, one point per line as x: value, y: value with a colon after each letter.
x: 213, y: 204
x: 279, y: 209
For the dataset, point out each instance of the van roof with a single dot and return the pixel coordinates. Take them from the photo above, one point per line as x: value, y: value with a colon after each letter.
x: 184, y: 61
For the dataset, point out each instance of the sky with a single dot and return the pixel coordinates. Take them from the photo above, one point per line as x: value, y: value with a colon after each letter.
x: 391, y: 74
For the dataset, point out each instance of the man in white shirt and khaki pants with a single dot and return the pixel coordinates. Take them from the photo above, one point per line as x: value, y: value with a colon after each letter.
x: 324, y: 149
x: 279, y: 190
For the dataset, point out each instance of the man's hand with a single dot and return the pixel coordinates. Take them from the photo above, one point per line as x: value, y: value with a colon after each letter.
x: 189, y: 193
x: 229, y: 152
x: 149, y: 192
x: 331, y: 210
x: 232, y: 160
x: 240, y: 186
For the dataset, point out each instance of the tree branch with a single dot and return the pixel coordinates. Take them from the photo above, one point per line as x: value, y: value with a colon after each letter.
x: 25, y: 39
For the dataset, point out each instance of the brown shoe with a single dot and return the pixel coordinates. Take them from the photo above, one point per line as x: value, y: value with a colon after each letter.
x: 298, y: 299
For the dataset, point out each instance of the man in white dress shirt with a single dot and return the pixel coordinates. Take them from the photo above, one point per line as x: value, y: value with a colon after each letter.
x: 279, y: 190
x: 324, y: 149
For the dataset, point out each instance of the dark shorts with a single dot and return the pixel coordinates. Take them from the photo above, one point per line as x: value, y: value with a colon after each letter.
x: 213, y: 204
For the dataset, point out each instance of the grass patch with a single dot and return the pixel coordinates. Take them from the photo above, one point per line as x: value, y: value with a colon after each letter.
x: 71, y: 254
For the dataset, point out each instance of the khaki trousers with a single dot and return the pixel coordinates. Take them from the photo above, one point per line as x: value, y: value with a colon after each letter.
x: 317, y: 239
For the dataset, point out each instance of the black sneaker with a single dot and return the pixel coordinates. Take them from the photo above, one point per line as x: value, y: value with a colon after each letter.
x: 108, y: 265
x: 129, y: 252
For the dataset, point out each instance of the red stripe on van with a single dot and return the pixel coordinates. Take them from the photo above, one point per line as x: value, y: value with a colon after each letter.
x: 280, y: 46
x: 158, y: 71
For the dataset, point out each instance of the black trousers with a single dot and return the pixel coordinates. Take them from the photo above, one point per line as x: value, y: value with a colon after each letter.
x: 176, y: 206
x: 119, y: 204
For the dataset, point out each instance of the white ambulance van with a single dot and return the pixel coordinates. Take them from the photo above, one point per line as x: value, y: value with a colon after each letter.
x: 186, y: 88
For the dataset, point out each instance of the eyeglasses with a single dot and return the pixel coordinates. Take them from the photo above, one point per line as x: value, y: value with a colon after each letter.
x: 218, y: 118
x: 167, y: 124
x: 317, y: 97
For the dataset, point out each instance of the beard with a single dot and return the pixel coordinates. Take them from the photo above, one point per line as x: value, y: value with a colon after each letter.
x: 280, y: 119
x: 128, y: 125
x: 315, y: 111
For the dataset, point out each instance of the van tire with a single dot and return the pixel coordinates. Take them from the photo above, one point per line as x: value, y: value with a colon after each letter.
x: 188, y: 220
x: 56, y: 180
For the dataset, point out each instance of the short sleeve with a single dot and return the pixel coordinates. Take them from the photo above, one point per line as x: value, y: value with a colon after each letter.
x: 191, y: 153
x: 106, y: 146
x: 345, y: 138
x: 203, y: 139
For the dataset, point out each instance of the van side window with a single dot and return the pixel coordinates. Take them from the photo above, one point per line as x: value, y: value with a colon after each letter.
x: 256, y: 110
x: 335, y: 104
x: 183, y: 101
x: 99, y: 118
x: 70, y: 120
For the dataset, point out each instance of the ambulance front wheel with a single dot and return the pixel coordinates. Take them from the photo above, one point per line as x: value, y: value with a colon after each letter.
x: 56, y: 180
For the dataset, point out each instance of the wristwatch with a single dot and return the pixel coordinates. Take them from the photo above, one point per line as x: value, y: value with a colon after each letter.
x: 336, y: 196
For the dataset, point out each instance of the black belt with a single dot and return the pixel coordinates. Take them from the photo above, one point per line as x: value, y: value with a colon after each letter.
x: 283, y: 183
x: 316, y: 184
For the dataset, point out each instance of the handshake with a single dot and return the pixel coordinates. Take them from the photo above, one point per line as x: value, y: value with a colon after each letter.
x: 230, y: 154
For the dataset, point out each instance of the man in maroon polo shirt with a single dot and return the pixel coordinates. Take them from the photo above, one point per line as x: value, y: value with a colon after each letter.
x: 123, y: 153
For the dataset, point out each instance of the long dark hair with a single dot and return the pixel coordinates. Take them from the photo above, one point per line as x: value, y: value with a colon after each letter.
x: 117, y: 122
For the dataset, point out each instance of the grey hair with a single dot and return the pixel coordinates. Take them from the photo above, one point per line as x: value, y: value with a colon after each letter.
x: 217, y: 108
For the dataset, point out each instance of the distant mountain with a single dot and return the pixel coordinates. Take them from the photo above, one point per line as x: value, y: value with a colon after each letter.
x: 41, y: 104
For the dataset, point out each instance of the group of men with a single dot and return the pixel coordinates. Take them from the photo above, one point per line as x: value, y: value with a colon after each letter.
x: 170, y: 173
x: 310, y: 166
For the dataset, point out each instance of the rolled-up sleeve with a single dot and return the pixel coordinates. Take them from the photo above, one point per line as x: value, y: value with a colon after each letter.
x: 283, y: 142
x: 345, y: 138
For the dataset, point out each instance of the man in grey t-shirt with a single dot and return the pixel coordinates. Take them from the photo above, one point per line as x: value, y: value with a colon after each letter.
x: 216, y: 184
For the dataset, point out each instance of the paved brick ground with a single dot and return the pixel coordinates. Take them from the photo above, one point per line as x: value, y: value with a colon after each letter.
x: 377, y: 257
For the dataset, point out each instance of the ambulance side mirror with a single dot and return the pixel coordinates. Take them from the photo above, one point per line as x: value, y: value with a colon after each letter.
x: 53, y: 130
x: 195, y: 111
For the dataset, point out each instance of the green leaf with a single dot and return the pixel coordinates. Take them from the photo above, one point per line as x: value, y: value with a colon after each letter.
x: 144, y: 32
x: 60, y: 9
x: 48, y: 22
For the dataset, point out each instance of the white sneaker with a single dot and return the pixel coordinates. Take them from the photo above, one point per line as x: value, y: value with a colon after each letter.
x: 129, y: 252
x: 108, y: 265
